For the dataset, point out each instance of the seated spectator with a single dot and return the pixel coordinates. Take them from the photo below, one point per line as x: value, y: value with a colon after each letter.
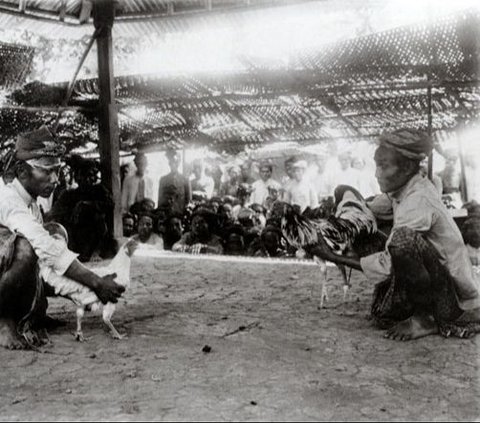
x: 260, y: 218
x: 145, y: 232
x: 143, y: 206
x: 243, y: 195
x: 128, y: 221
x: 200, y: 240
x: 273, y: 195
x: 86, y: 212
x: 235, y: 240
x: 173, y: 230
x: 270, y: 243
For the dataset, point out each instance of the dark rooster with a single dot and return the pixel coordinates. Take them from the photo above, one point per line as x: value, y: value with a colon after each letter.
x: 350, y: 230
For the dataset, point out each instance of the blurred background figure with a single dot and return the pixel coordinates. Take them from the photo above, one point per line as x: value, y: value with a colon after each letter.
x: 138, y: 186
x: 200, y: 182
x: 322, y: 180
x: 260, y: 187
x: 472, y: 175
x: 436, y: 180
x: 367, y: 183
x: 301, y: 191
x: 230, y: 186
x: 346, y: 174
x: 178, y: 181
x: 451, y: 179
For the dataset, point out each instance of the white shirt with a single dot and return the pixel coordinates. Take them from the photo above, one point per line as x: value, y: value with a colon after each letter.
x: 20, y: 213
x: 260, y: 191
x: 301, y: 193
x: 418, y: 206
x: 204, y: 184
x: 130, y: 190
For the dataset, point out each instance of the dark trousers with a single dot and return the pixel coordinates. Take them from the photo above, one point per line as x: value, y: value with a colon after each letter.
x: 419, y: 283
x: 22, y: 298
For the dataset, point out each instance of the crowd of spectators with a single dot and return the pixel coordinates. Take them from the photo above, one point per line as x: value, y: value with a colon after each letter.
x: 207, y: 210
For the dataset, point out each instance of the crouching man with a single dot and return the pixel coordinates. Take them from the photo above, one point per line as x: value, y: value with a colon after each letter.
x: 425, y: 280
x: 25, y: 244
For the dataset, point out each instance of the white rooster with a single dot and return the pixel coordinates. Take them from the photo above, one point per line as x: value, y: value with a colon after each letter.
x: 83, y: 297
x: 352, y: 228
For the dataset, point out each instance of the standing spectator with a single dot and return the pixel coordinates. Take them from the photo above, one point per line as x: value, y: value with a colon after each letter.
x: 345, y: 174
x: 230, y: 186
x: 300, y: 191
x: 176, y: 180
x: 260, y: 187
x: 139, y: 186
x: 288, y: 178
x: 367, y: 183
x: 322, y: 181
x: 246, y: 173
x: 451, y: 180
x: 199, y: 181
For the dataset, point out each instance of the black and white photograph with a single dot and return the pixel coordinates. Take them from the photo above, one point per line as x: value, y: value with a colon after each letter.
x: 239, y: 210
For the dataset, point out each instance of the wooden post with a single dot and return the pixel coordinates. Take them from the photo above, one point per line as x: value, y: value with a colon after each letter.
x: 430, y: 156
x: 103, y: 16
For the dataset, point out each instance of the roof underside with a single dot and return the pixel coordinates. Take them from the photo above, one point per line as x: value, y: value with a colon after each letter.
x: 354, y: 89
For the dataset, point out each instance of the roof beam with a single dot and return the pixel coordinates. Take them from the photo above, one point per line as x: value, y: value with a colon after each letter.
x: 38, y: 15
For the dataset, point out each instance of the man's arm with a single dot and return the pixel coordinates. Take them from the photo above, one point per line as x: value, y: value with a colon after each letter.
x: 105, y: 288
x: 322, y: 250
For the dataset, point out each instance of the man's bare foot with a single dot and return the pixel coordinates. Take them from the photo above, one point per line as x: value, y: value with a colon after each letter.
x: 414, y: 327
x: 8, y: 336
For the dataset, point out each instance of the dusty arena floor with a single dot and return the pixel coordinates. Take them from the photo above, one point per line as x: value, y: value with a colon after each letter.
x: 274, y: 355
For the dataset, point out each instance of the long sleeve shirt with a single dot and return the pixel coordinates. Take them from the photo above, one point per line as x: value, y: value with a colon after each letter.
x: 20, y: 213
x: 130, y: 192
x: 418, y: 206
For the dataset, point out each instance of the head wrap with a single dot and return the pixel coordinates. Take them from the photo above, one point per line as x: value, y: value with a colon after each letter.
x: 410, y: 143
x: 39, y: 148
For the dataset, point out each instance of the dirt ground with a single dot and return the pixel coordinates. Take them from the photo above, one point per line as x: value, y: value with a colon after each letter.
x: 274, y: 354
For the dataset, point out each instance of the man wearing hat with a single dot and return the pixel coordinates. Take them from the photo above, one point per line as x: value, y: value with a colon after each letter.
x: 26, y: 244
x: 425, y: 281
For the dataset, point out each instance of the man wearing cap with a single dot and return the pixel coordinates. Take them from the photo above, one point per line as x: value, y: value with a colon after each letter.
x: 425, y: 281
x: 178, y: 181
x: 139, y: 186
x: 300, y: 191
x: 26, y: 244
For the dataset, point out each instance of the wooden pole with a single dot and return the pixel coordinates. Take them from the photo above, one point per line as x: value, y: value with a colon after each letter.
x: 103, y: 16
x: 430, y: 156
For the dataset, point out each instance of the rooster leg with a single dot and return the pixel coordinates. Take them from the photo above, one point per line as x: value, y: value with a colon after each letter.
x: 79, y: 334
x: 323, y: 273
x: 107, y: 314
x: 346, y: 281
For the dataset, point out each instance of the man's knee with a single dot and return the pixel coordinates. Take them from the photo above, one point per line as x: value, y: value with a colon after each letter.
x: 24, y: 252
x: 402, y: 241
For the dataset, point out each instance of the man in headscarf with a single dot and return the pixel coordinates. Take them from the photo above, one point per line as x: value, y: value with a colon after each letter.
x: 425, y: 281
x: 25, y: 244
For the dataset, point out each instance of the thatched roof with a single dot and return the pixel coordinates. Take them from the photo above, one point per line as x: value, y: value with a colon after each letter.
x: 352, y: 90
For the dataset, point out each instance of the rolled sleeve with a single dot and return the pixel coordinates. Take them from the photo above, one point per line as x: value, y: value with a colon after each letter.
x: 51, y: 252
x: 377, y: 267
